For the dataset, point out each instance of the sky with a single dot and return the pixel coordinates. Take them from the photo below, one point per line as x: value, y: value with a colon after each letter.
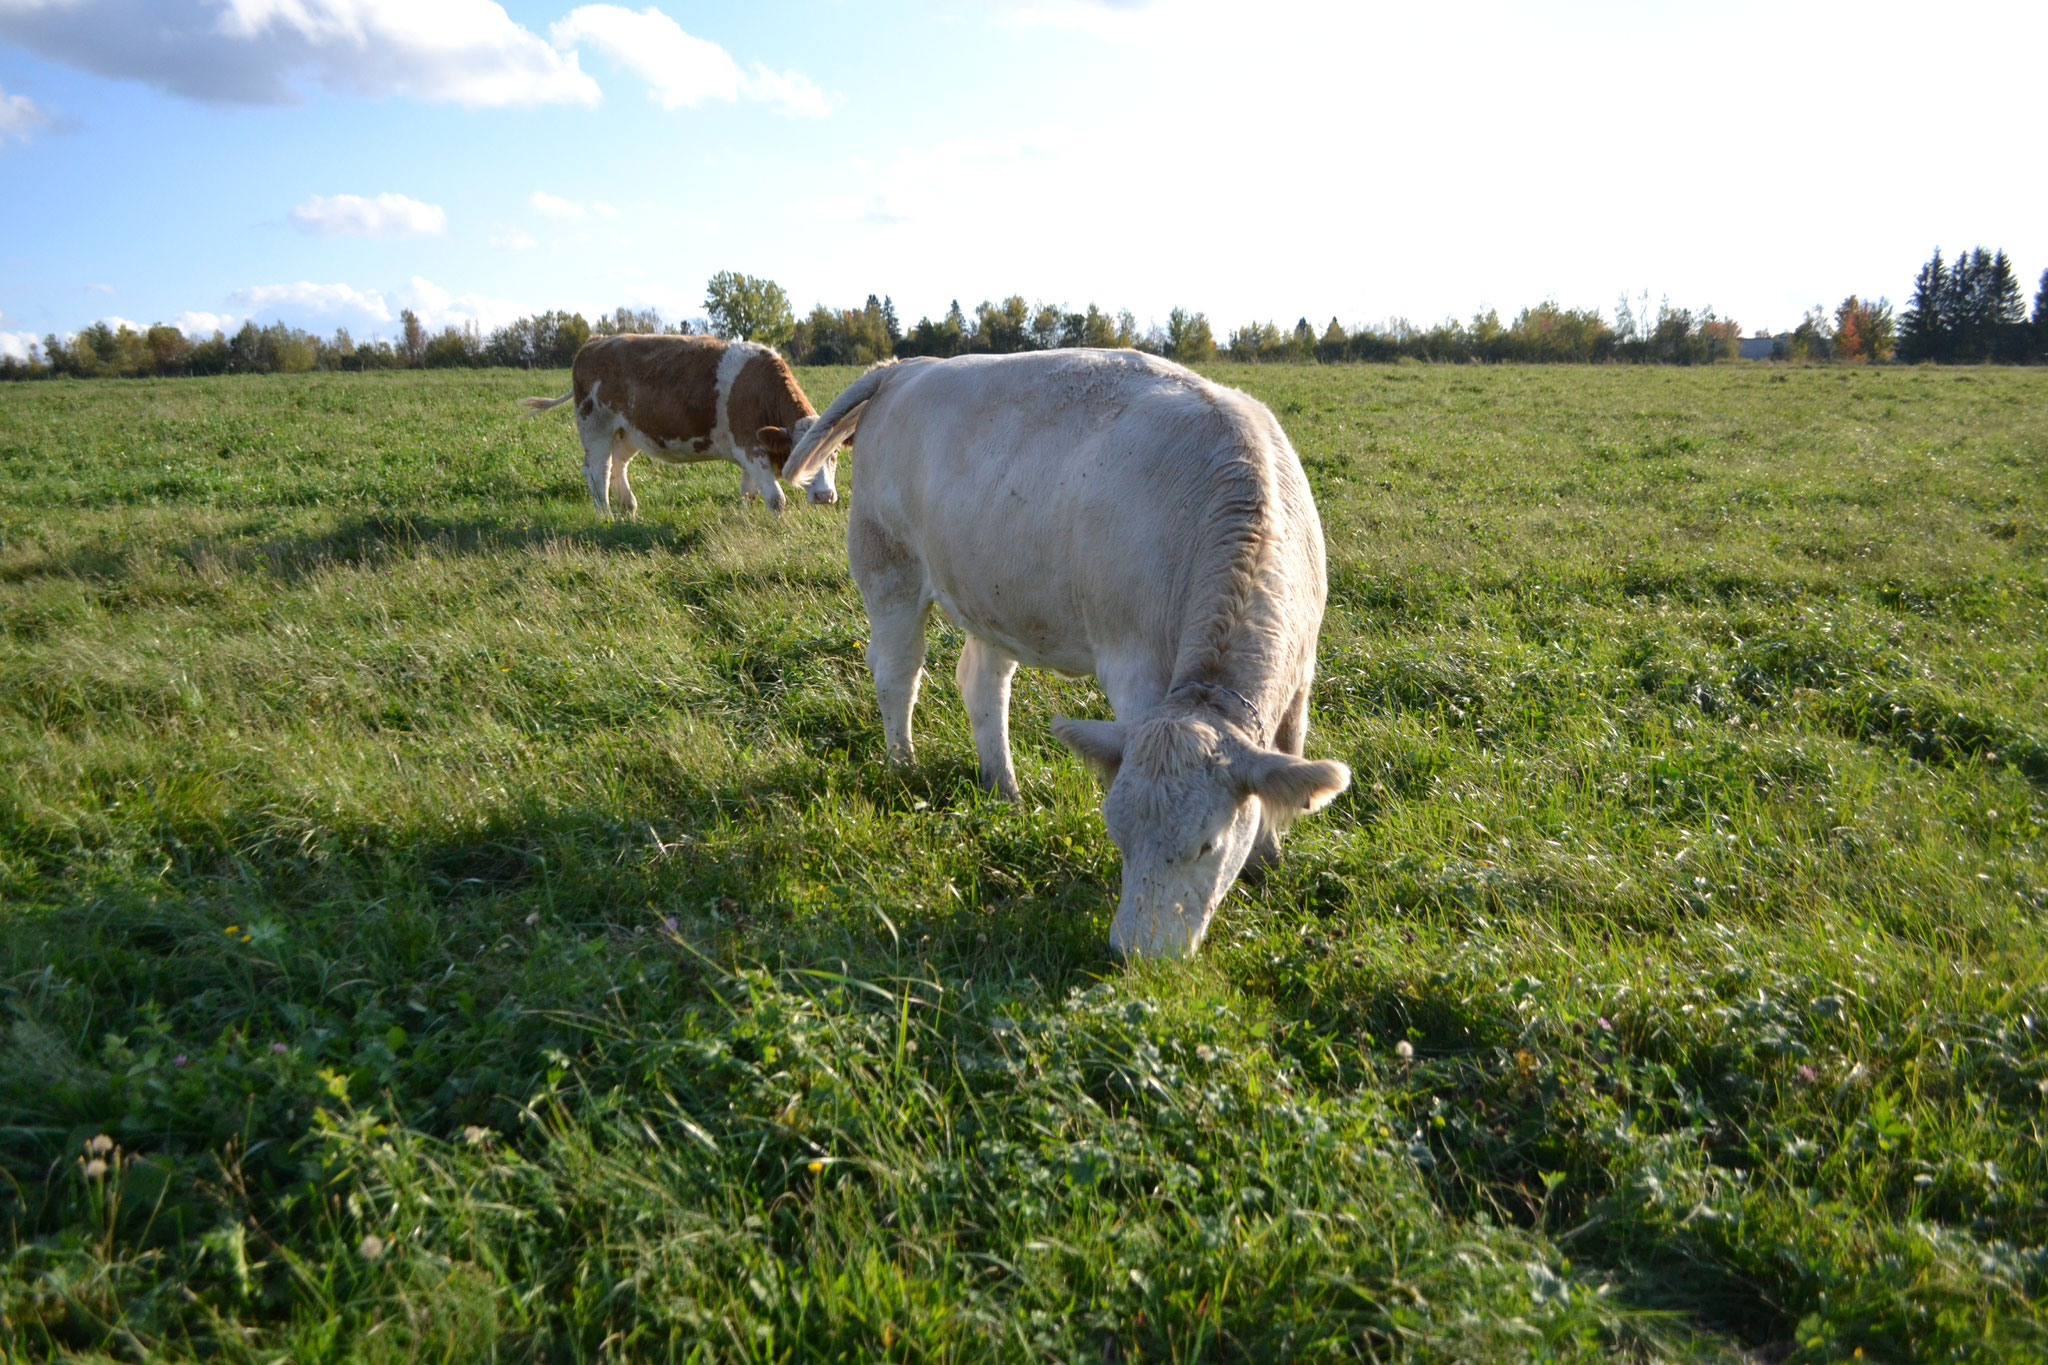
x: 328, y: 163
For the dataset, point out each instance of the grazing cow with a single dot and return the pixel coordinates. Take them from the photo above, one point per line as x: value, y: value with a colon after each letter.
x: 1105, y: 513
x: 684, y: 399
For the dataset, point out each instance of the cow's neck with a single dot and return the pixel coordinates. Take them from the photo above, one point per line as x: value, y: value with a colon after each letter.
x: 1233, y: 637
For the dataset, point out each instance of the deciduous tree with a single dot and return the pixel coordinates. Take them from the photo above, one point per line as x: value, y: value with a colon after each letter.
x: 1188, y: 337
x: 415, y: 338
x: 1864, y: 330
x: 748, y: 308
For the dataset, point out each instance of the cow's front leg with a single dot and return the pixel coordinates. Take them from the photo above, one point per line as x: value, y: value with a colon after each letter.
x: 760, y: 477
x: 892, y: 586
x: 597, y: 464
x: 984, y: 674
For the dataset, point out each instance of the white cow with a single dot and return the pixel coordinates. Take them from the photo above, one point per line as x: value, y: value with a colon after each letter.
x: 1105, y: 513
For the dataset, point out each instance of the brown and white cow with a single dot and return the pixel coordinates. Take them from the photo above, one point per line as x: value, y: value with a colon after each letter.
x: 683, y: 400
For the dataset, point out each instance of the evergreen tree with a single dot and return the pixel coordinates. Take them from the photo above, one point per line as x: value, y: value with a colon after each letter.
x: 891, y: 322
x: 2007, y: 308
x: 1984, y: 309
x: 1963, y: 309
x: 2040, y: 354
x: 1924, y: 332
x: 1968, y: 314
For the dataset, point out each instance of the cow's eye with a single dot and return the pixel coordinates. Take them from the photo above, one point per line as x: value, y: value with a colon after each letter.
x: 1203, y: 851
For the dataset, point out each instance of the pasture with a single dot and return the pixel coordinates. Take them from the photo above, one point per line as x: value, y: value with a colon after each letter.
x: 484, y: 933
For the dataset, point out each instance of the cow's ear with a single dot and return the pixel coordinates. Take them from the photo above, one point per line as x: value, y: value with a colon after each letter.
x: 1295, y: 786
x: 775, y: 441
x: 1100, y: 743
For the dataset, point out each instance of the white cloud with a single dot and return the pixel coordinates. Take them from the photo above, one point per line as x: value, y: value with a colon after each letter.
x: 100, y: 289
x: 786, y: 92
x: 683, y: 71
x: 555, y: 207
x: 1113, y: 18
x: 21, y: 118
x: 201, y: 324
x: 14, y: 345
x: 117, y: 323
x: 568, y: 210
x: 468, y: 52
x: 307, y: 297
x: 388, y: 215
x: 512, y: 239
x: 306, y: 303
x: 438, y: 307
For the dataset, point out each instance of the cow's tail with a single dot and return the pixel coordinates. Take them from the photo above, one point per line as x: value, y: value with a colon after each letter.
x: 543, y: 404
x: 835, y: 424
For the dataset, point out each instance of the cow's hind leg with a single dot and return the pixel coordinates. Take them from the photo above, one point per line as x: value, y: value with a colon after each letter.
x: 623, y: 501
x: 892, y: 586
x: 984, y: 674
x: 598, y: 430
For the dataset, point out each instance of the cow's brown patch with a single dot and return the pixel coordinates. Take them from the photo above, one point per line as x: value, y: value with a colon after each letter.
x: 765, y: 394
x: 665, y: 386
x: 774, y: 442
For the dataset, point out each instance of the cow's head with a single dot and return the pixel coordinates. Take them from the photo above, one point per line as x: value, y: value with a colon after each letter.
x: 1188, y: 802
x: 779, y: 441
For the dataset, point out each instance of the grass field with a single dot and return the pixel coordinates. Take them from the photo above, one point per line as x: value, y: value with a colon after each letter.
x: 482, y: 933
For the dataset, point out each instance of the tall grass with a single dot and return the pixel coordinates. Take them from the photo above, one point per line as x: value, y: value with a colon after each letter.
x: 480, y: 932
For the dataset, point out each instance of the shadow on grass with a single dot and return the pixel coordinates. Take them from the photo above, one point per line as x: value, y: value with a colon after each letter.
x: 368, y: 541
x: 374, y: 540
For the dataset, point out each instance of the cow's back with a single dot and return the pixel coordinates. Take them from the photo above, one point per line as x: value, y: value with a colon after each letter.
x: 1060, y: 500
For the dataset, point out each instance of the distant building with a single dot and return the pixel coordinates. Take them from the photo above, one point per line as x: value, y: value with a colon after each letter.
x: 1755, y: 348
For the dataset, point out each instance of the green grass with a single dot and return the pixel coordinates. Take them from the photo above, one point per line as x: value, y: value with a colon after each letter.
x: 486, y: 933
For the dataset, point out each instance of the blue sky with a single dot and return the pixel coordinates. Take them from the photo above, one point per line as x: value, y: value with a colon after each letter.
x: 329, y: 162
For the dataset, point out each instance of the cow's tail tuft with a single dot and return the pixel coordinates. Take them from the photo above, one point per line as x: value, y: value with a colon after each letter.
x: 543, y: 404
x: 835, y: 425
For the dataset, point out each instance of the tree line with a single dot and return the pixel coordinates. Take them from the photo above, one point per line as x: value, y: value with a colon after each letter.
x: 1969, y: 312
x: 1547, y: 332
x: 544, y: 341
